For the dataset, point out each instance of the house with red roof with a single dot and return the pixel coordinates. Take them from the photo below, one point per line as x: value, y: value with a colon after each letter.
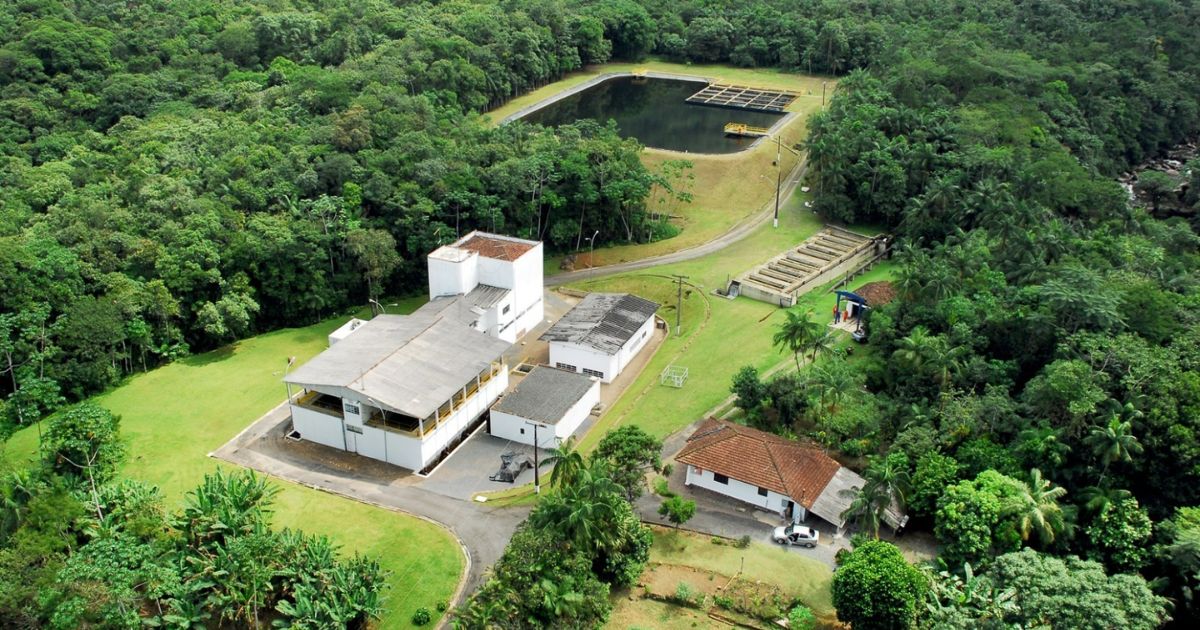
x: 770, y: 472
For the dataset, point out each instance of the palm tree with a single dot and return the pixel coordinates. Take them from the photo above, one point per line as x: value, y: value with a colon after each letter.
x: 796, y: 333
x: 913, y: 349
x: 867, y: 507
x: 1037, y: 508
x: 886, y: 483
x: 1096, y: 498
x: 1114, y: 442
x: 823, y: 343
x: 567, y: 463
x: 583, y: 512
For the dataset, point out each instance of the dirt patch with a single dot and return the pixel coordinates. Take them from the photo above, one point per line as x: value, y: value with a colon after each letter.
x: 731, y: 600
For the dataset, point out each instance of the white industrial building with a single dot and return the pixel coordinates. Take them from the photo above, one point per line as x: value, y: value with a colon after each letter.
x: 601, y: 334
x: 490, y: 282
x: 406, y: 389
x: 554, y: 400
x: 770, y: 472
x: 402, y: 389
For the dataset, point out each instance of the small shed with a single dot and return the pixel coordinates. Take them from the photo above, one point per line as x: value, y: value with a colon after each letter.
x: 555, y: 401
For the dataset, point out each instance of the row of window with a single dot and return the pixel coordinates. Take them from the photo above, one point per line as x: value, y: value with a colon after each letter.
x: 723, y: 479
x: 567, y: 366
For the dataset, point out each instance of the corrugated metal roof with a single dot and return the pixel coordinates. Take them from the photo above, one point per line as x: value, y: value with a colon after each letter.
x: 409, y: 364
x: 465, y: 308
x: 545, y: 395
x: 602, y: 321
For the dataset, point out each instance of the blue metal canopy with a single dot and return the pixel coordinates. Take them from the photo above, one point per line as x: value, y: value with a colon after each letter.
x: 853, y: 297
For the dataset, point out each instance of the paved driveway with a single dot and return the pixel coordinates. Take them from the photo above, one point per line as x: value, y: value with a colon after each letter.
x: 483, y: 530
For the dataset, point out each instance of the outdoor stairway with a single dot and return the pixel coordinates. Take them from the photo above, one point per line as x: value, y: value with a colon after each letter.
x: 785, y: 275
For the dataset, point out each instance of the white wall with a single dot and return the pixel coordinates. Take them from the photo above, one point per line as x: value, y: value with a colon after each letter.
x: 452, y: 277
x: 583, y: 357
x: 318, y: 427
x: 344, y: 330
x: 509, y: 427
x: 394, y: 448
x: 741, y: 491
x: 611, y: 365
x: 635, y: 344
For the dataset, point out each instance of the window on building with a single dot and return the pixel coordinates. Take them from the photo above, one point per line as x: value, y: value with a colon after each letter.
x: 762, y: 492
x: 719, y: 478
x: 593, y: 373
x: 565, y: 366
x: 506, y: 309
x: 522, y: 431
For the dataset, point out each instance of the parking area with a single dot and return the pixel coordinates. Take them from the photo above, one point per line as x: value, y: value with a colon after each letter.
x: 465, y: 473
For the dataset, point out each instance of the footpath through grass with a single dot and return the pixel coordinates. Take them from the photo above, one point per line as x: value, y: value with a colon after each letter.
x: 172, y: 417
x: 719, y: 336
x: 727, y: 188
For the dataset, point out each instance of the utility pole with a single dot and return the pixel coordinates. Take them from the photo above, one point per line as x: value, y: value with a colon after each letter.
x: 537, y: 485
x: 679, y: 302
x: 778, y: 175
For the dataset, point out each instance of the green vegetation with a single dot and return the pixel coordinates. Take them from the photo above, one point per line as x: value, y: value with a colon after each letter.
x: 806, y: 579
x: 875, y: 587
x: 580, y: 539
x: 173, y: 416
x: 82, y: 549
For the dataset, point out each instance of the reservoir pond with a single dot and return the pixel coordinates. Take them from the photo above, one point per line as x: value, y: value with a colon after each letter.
x: 656, y: 112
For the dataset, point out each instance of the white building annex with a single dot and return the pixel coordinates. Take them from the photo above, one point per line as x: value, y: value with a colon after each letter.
x: 601, y: 334
x: 490, y: 282
x: 406, y: 389
x: 557, y: 401
x: 771, y: 472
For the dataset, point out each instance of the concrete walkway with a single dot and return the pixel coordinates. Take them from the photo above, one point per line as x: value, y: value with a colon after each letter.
x: 482, y: 530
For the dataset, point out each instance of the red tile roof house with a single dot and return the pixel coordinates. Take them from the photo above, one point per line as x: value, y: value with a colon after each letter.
x: 772, y: 473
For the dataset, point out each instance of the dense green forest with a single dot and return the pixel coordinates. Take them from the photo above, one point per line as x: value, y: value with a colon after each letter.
x: 180, y: 174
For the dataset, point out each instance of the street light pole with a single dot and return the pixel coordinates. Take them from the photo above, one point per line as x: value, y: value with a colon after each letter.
x: 537, y: 486
x: 592, y: 251
x: 823, y: 95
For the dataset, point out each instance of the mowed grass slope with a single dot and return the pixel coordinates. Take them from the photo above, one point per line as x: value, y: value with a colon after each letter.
x: 719, y: 335
x: 726, y: 189
x: 174, y: 416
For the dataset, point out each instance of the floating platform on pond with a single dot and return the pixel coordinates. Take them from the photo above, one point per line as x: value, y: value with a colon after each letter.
x: 742, y: 129
x: 742, y: 97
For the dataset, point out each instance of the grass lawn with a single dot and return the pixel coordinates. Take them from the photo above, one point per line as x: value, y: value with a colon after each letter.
x: 719, y: 335
x: 727, y: 188
x: 172, y: 417
x: 642, y: 614
x: 802, y: 577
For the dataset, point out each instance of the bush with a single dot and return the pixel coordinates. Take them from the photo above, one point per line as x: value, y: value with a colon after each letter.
x: 422, y: 616
x: 661, y: 488
x: 685, y: 594
x: 743, y: 542
x: 442, y: 606
x: 667, y: 468
x: 801, y: 618
x: 723, y: 602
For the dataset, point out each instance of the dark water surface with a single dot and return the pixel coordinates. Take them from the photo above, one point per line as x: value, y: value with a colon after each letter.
x: 655, y: 111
